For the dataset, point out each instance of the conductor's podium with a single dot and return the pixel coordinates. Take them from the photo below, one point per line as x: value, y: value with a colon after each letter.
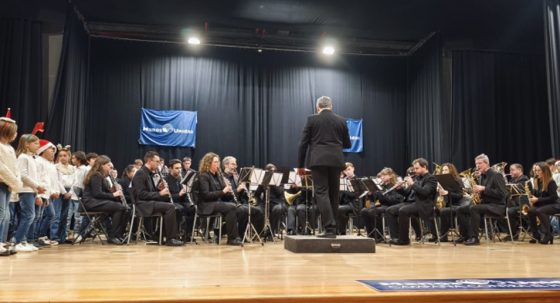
x: 342, y: 244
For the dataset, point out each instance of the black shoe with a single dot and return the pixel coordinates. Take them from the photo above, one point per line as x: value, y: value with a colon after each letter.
x: 460, y: 240
x: 328, y: 234
x: 399, y: 242
x: 472, y: 241
x: 173, y: 242
x: 547, y: 240
x: 115, y: 241
x: 235, y: 242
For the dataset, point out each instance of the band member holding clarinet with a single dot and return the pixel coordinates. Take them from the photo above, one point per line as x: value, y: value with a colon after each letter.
x: 150, y: 200
x: 213, y: 189
x: 179, y: 193
x: 99, y: 197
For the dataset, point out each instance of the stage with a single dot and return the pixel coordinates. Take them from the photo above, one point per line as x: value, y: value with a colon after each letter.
x: 208, y: 273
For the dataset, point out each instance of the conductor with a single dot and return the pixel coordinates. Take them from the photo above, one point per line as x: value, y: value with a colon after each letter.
x: 324, y: 136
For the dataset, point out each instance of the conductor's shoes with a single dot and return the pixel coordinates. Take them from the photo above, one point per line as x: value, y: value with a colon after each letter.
x: 399, y: 242
x: 235, y: 242
x: 173, y: 242
x: 329, y: 234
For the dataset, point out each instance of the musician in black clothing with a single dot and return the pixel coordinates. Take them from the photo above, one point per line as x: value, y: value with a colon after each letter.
x: 392, y: 212
x: 350, y: 203
x: 492, y: 191
x: 183, y: 207
x: 380, y: 201
x: 125, y: 181
x: 212, y: 193
x: 150, y: 199
x: 424, y: 186
x: 186, y: 167
x: 242, y: 196
x: 298, y: 210
x: 544, y: 201
x: 518, y: 198
x: 452, y: 201
x: 324, y: 136
x: 98, y: 197
x: 277, y: 208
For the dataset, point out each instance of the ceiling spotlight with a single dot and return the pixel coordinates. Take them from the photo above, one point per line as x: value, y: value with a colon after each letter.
x: 193, y: 41
x: 328, y: 50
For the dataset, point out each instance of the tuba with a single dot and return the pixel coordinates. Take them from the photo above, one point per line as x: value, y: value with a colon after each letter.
x: 469, y: 175
x: 290, y: 198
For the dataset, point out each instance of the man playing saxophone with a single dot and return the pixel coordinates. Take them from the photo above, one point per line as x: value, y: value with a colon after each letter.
x: 492, y: 191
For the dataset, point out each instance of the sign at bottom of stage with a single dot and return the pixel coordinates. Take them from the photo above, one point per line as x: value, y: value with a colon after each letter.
x: 465, y: 284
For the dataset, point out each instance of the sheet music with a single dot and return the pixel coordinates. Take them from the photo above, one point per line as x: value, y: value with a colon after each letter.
x: 276, y: 179
x: 294, y: 178
x: 257, y: 176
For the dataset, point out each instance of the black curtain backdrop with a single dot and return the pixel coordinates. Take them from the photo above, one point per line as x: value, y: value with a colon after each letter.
x: 552, y: 47
x: 21, y: 72
x: 424, y: 120
x: 499, y: 108
x: 252, y: 106
x: 67, y: 117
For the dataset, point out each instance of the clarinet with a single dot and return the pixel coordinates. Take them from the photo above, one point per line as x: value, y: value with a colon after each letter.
x: 226, y: 181
x: 117, y: 186
x: 165, y: 185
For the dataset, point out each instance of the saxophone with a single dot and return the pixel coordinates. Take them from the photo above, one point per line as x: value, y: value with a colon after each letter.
x: 469, y: 175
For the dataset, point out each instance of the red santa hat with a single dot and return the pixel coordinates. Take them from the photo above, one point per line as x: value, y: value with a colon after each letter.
x: 45, y: 144
x: 8, y: 116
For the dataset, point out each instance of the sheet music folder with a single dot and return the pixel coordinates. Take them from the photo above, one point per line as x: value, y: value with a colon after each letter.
x: 448, y: 182
x: 364, y: 185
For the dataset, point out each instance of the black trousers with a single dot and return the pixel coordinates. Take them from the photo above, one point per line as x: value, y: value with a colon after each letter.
x: 447, y: 216
x: 408, y: 211
x: 229, y: 212
x: 470, y: 215
x: 326, y: 183
x: 277, y: 213
x: 299, y: 212
x: 257, y: 218
x: 543, y: 214
x: 342, y: 217
x: 118, y: 215
x: 392, y: 217
x: 372, y: 219
x: 169, y: 218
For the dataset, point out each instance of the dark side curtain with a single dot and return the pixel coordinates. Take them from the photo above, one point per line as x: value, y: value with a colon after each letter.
x: 21, y: 72
x: 252, y: 106
x: 424, y: 121
x: 552, y: 47
x: 67, y: 118
x: 499, y: 107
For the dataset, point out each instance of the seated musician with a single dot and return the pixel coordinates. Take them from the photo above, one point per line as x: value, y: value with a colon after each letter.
x: 452, y: 200
x: 277, y: 206
x: 516, y: 186
x: 242, y: 196
x: 424, y: 186
x: 213, y: 195
x: 492, y: 192
x: 180, y: 198
x: 392, y: 193
x: 349, y: 203
x: 150, y: 199
x: 544, y: 203
x: 126, y: 181
x: 99, y: 197
x: 392, y: 212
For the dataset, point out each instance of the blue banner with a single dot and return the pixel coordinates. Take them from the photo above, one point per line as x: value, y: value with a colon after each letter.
x: 355, y: 130
x: 168, y: 128
x: 465, y: 284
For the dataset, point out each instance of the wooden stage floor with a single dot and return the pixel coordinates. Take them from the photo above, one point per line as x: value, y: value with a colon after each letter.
x: 208, y: 273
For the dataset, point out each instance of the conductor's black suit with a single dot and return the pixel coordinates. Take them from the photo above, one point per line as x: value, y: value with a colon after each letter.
x: 324, y: 136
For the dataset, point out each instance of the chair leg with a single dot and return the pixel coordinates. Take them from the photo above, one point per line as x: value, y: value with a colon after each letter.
x: 219, y: 229
x: 509, y: 227
x: 437, y: 231
x: 140, y: 229
x: 194, y: 224
x: 486, y: 229
x: 130, y: 230
x: 160, y: 230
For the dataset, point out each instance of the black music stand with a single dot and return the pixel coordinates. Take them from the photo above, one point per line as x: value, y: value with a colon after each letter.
x: 249, y: 175
x: 366, y: 186
x: 270, y: 178
x: 450, y: 184
x: 516, y: 192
